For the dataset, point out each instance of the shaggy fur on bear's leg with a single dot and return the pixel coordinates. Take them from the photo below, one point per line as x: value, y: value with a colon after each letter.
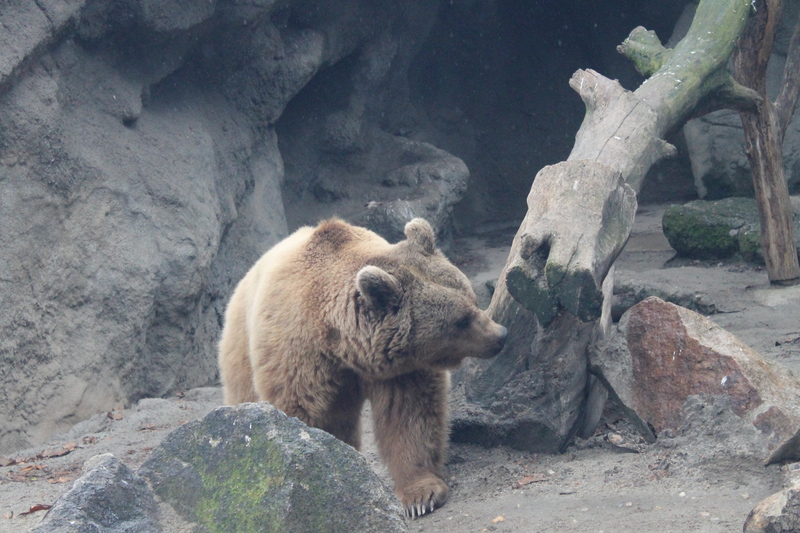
x: 314, y: 390
x: 235, y: 368
x: 343, y: 418
x: 411, y: 429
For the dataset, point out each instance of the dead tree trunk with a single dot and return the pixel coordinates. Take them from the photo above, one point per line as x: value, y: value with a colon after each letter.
x: 764, y: 130
x: 536, y: 394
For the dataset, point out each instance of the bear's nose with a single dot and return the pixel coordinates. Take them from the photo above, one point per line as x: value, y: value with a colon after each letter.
x: 502, y: 335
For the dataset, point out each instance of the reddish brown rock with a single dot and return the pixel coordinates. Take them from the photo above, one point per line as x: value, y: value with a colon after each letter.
x: 663, y: 354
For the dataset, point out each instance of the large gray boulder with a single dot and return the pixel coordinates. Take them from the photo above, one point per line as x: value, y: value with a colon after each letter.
x: 779, y: 512
x: 133, y: 197
x: 251, y: 467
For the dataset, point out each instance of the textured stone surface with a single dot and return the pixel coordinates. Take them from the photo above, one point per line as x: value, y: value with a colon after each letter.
x: 124, y: 226
x: 141, y: 176
x: 251, y: 466
x: 338, y: 139
x: 708, y: 230
x: 668, y: 367
x: 108, y: 497
x: 27, y: 27
x: 721, y: 169
x: 717, y: 229
x: 778, y: 513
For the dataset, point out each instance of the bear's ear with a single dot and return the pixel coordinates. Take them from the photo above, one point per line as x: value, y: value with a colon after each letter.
x: 420, y: 235
x: 381, y: 290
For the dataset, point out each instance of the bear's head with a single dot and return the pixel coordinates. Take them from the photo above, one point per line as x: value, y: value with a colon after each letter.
x: 422, y: 310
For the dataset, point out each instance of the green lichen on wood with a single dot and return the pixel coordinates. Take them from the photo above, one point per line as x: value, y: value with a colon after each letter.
x: 546, y: 295
x: 577, y: 293
x: 531, y: 291
x: 645, y: 51
x: 690, y: 71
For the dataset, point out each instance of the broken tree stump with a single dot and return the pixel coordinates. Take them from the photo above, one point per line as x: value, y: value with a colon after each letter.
x: 535, y: 394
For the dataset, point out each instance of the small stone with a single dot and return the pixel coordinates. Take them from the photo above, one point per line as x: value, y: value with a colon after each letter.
x: 109, y: 496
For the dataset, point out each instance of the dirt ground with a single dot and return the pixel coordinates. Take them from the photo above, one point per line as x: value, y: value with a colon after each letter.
x: 611, y: 482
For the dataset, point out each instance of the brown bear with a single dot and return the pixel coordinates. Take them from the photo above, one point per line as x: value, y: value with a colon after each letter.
x: 334, y: 315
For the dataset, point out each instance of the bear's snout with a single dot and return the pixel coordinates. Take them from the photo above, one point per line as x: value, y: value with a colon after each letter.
x: 497, y: 340
x: 502, y: 335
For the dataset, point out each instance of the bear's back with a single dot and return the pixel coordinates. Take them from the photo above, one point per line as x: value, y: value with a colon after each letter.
x: 305, y: 272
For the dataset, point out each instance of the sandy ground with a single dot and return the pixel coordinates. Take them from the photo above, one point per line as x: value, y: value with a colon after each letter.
x: 674, y: 485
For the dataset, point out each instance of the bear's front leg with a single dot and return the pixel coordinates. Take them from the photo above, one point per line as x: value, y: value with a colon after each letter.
x: 411, y: 419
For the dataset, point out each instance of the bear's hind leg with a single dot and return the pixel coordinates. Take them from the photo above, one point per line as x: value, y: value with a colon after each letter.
x: 411, y: 429
x: 236, y: 372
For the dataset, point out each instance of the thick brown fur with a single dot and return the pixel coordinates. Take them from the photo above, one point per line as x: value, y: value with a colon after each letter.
x: 334, y: 315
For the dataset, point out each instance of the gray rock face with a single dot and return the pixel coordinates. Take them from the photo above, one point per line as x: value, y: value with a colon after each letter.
x: 341, y: 158
x: 108, y: 497
x: 140, y: 177
x: 26, y: 27
x: 251, y: 465
x: 133, y: 197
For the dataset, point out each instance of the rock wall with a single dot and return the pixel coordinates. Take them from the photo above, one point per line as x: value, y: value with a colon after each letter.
x: 133, y: 195
x: 141, y: 176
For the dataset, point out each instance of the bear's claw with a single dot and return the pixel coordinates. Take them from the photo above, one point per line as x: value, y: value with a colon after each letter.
x: 423, y: 496
x: 419, y: 509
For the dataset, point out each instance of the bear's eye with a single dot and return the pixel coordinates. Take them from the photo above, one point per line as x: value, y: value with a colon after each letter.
x: 464, y: 322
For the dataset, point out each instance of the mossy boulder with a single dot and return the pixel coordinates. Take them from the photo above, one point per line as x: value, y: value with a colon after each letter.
x: 717, y: 229
x: 251, y: 468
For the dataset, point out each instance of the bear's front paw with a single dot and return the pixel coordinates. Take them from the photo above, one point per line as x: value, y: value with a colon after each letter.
x: 422, y: 495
